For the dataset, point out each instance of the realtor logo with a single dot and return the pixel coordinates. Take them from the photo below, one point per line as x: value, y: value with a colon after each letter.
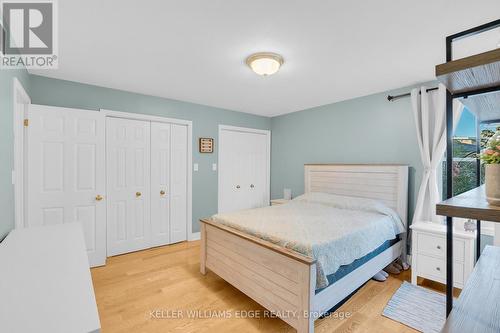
x: 29, y: 33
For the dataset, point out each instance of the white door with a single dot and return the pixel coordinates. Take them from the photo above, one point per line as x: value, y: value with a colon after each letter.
x: 128, y: 185
x: 178, y: 183
x: 232, y: 165
x: 169, y: 167
x: 243, y: 168
x: 65, y: 173
x: 256, y: 183
x: 160, y: 183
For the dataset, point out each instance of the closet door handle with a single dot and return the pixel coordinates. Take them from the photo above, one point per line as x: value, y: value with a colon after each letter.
x: 252, y: 186
x: 162, y: 192
x: 238, y: 186
x: 98, y: 197
x: 138, y: 194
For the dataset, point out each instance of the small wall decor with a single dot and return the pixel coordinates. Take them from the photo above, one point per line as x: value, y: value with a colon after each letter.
x: 206, y: 145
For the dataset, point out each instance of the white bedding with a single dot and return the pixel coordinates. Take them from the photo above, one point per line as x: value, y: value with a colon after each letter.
x: 334, y: 230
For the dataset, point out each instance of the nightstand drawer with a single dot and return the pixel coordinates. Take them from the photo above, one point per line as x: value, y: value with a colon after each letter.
x: 436, y: 246
x: 435, y: 269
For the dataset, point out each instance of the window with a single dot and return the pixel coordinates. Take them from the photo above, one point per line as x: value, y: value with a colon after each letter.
x: 465, y: 167
x: 464, y: 156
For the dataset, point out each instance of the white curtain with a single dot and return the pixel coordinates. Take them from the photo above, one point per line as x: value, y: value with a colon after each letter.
x: 429, y: 111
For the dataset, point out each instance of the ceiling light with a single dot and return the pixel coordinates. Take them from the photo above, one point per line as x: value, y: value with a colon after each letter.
x: 265, y: 63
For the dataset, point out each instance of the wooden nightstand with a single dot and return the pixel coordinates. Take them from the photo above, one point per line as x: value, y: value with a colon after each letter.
x: 429, y: 253
x: 276, y: 202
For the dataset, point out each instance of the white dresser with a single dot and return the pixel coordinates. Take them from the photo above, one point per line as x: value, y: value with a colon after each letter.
x: 429, y: 253
x: 45, y: 281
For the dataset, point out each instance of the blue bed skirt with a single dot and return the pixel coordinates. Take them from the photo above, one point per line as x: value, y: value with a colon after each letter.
x: 346, y: 269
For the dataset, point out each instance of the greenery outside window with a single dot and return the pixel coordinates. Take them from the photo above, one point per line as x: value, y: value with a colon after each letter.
x: 464, y: 153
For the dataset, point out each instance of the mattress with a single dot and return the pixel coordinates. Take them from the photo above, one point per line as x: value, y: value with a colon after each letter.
x: 334, y: 230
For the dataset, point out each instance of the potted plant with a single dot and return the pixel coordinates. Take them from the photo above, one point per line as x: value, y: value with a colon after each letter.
x: 490, y: 156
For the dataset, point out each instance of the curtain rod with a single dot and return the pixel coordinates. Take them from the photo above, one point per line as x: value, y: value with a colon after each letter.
x: 390, y: 98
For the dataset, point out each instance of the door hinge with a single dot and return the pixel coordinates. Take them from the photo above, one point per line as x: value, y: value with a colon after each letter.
x: 26, y: 122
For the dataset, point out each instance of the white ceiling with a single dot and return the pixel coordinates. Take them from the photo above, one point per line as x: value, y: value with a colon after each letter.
x: 194, y: 50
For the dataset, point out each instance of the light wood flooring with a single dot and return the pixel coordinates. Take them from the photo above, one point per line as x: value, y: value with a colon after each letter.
x: 161, y: 290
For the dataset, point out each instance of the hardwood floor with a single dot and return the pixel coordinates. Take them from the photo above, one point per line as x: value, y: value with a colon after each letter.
x: 161, y: 290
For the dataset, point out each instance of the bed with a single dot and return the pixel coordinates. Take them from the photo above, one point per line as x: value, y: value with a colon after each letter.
x: 285, y: 277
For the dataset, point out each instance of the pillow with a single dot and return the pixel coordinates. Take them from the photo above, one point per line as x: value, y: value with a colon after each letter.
x: 352, y: 203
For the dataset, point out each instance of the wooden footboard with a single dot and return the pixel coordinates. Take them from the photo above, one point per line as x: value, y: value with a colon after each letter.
x: 280, y: 280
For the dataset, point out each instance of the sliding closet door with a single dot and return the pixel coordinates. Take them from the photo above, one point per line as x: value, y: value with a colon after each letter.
x: 65, y: 171
x: 178, y: 183
x: 128, y: 185
x: 160, y: 183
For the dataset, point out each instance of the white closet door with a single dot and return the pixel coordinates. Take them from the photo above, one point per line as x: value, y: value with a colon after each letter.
x: 243, y: 169
x: 178, y: 183
x: 245, y: 143
x: 232, y: 168
x: 128, y: 185
x: 257, y: 170
x: 160, y: 183
x: 65, y: 173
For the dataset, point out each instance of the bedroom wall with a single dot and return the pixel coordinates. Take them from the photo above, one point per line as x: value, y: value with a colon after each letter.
x: 7, y: 143
x: 363, y: 130
x: 368, y: 129
x: 48, y: 91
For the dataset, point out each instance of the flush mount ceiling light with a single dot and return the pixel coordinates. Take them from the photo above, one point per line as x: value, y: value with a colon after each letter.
x: 265, y: 63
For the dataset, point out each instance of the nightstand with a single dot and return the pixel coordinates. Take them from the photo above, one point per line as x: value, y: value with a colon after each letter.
x: 276, y: 202
x: 429, y: 253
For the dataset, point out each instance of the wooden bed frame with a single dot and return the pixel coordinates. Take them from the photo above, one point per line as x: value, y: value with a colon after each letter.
x: 284, y: 281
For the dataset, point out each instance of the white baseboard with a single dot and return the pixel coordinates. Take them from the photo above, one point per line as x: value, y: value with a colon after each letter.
x: 194, y: 236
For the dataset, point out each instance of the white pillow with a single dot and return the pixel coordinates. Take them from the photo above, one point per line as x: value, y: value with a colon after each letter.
x: 352, y: 203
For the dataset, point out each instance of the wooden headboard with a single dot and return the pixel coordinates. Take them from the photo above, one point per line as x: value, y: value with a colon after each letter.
x: 387, y: 183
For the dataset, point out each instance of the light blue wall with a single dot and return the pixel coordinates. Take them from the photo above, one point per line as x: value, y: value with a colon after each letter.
x: 363, y: 130
x: 205, y: 119
x: 7, y: 144
x: 368, y: 129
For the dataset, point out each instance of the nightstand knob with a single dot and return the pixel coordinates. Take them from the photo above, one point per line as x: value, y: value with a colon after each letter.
x: 438, y: 268
x: 439, y: 247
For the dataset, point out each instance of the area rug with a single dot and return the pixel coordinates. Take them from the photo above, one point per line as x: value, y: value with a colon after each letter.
x: 419, y: 308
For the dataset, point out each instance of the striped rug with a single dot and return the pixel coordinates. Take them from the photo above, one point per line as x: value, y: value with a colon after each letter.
x: 419, y: 308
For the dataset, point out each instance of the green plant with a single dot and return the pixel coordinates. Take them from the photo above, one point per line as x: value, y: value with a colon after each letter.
x: 491, y: 153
